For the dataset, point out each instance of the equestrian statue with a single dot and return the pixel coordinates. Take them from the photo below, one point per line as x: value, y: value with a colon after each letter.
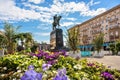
x: 56, y: 21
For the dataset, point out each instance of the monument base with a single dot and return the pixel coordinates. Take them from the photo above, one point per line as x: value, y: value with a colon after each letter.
x: 56, y: 39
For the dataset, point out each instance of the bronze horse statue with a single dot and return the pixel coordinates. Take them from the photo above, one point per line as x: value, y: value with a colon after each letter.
x: 56, y: 21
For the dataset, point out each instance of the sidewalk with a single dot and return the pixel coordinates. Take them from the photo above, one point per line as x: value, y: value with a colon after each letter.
x: 113, y: 61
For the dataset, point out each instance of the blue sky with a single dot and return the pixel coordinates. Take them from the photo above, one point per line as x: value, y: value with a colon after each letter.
x: 36, y: 16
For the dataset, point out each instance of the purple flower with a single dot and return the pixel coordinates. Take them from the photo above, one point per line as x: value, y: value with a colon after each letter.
x: 32, y: 54
x: 91, y: 64
x: 109, y: 66
x: 45, y: 54
x: 97, y: 66
x: 31, y: 74
x: 61, y: 75
x: 39, y: 55
x: 107, y: 75
x: 46, y: 66
x: 31, y: 67
x: 63, y: 52
x: 47, y: 57
x: 39, y: 76
x: 52, y: 62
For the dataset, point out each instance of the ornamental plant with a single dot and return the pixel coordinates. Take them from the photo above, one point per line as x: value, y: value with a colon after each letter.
x: 50, y: 58
x: 61, y: 75
x: 115, y: 47
x: 15, y: 65
x: 75, y: 69
x: 72, y: 38
x: 107, y: 76
x: 98, y: 42
x: 46, y: 67
x: 31, y: 74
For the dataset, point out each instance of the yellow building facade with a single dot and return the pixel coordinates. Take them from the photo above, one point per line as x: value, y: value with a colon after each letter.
x: 107, y: 23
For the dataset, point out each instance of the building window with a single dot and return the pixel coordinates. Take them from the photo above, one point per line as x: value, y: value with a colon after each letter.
x: 116, y: 33
x: 102, y: 21
x: 106, y: 27
x: 111, y: 33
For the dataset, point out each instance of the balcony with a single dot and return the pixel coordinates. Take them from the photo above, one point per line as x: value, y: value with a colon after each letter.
x: 114, y: 35
x: 98, y: 24
x: 113, y: 38
x: 113, y: 20
x: 85, y: 35
x: 114, y: 26
x: 84, y: 29
x: 96, y: 31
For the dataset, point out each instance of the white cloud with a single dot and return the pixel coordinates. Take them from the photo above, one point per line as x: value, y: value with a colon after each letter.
x: 71, y: 19
x: 42, y: 34
x: 93, y: 12
x: 69, y: 24
x: 35, y: 7
x: 74, y: 7
x: 36, y: 1
x: 42, y: 27
x: 45, y: 19
x: 91, y: 3
x: 9, y: 10
x: 65, y: 24
x: 97, y: 2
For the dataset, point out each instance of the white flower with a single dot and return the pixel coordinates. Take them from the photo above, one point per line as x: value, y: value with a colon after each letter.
x: 2, y: 75
x: 84, y: 78
x: 54, y: 72
x: 19, y: 71
x: 34, y: 57
x: 21, y: 74
x: 78, y: 66
x: 14, y: 78
x: 17, y: 67
x: 44, y: 75
x: 5, y: 68
x: 75, y: 67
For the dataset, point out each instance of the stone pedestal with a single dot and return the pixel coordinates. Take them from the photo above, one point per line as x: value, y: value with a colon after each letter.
x: 56, y: 39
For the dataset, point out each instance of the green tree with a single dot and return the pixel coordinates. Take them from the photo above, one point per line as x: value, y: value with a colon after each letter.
x: 35, y: 46
x: 3, y: 40
x: 115, y: 47
x: 28, y: 40
x: 98, y: 42
x: 10, y: 38
x: 72, y: 38
x: 118, y: 46
x: 10, y: 34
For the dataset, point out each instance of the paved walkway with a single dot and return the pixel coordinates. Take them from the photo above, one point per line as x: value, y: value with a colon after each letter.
x: 113, y: 61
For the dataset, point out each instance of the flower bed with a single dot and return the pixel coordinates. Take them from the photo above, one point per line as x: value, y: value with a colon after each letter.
x: 51, y: 65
